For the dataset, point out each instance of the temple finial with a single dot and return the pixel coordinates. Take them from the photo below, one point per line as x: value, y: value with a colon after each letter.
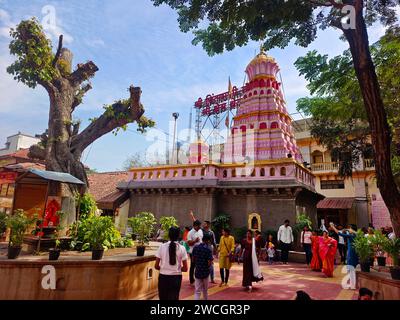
x: 262, y: 51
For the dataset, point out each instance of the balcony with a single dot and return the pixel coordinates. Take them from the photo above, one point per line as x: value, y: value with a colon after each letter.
x: 369, y: 164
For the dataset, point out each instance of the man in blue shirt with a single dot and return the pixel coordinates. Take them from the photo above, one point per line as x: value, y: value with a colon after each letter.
x: 202, y: 256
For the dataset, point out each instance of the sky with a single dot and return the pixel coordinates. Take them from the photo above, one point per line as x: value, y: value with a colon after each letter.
x: 134, y: 43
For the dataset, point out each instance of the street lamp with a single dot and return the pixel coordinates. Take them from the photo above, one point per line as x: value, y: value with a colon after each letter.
x: 175, y: 115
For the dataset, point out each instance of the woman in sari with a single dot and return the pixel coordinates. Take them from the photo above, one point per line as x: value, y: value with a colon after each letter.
x: 251, y: 269
x: 316, y: 260
x: 327, y: 252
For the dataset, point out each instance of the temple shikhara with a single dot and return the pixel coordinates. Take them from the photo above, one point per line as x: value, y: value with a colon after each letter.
x: 257, y: 176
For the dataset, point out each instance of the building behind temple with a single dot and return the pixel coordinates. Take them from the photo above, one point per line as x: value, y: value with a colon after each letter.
x: 259, y: 178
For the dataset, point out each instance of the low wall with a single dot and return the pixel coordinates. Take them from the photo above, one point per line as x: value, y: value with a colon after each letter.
x: 126, y: 277
x: 381, y: 283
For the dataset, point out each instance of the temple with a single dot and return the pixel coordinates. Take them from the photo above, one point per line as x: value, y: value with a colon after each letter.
x: 258, y: 177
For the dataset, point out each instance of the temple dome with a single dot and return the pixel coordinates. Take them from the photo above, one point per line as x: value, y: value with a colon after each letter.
x: 262, y: 66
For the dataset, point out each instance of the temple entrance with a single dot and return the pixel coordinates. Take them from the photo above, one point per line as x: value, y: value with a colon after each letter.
x: 254, y: 222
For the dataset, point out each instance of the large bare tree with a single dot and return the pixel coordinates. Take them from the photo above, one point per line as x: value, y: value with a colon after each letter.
x: 63, y: 143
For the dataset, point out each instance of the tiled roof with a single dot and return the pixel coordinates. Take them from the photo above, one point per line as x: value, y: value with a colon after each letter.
x: 335, y: 203
x: 103, y: 184
x: 25, y: 166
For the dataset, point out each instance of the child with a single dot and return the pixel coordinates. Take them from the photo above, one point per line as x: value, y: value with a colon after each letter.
x: 237, y: 251
x: 270, y: 252
x: 202, y: 257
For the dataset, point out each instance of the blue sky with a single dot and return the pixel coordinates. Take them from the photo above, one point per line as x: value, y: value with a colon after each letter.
x: 133, y: 42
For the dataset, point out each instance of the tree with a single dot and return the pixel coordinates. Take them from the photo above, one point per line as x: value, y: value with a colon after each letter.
x: 63, y: 143
x: 135, y: 161
x: 233, y: 23
x: 336, y: 106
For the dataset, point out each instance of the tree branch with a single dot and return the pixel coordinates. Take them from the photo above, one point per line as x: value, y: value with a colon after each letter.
x: 79, y: 95
x: 37, y: 152
x: 117, y: 115
x: 58, y: 53
x: 328, y: 3
x: 84, y: 72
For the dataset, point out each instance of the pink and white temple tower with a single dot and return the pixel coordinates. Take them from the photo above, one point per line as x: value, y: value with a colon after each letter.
x: 262, y: 128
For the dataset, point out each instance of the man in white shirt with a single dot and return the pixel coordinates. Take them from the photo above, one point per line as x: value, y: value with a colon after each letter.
x: 285, y: 239
x: 194, y: 238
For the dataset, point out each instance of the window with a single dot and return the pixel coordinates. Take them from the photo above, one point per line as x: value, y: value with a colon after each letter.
x: 272, y: 172
x: 184, y: 173
x: 225, y: 174
x: 283, y: 171
x: 263, y: 125
x: 234, y: 173
x: 216, y: 172
x: 203, y: 172
x: 332, y: 184
x: 274, y: 125
x: 150, y: 175
x: 142, y: 175
x: 175, y: 173
x: 262, y: 172
x: 193, y: 172
x: 135, y: 175
x: 166, y: 174
x: 158, y: 175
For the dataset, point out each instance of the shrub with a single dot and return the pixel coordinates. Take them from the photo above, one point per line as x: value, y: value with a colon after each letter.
x: 378, y: 242
x: 221, y: 221
x: 18, y: 224
x: 392, y: 247
x: 363, y: 247
x: 143, y: 226
x: 87, y: 206
x: 3, y: 222
x: 166, y: 223
x: 95, y: 231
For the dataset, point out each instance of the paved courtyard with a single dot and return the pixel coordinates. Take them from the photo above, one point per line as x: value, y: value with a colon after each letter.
x: 280, y: 283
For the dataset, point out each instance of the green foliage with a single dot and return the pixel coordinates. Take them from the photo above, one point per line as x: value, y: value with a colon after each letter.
x: 392, y: 247
x: 18, y: 224
x: 379, y: 242
x: 87, y: 205
x: 34, y: 54
x: 3, y: 222
x: 239, y: 233
x: 220, y: 221
x: 142, y: 225
x: 302, y: 220
x: 234, y: 23
x: 96, y: 232
x: 339, y: 118
x: 363, y: 247
x: 166, y: 224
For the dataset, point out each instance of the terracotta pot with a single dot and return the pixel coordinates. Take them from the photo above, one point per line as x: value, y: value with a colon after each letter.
x: 365, y: 266
x: 13, y: 252
x: 381, y: 261
x: 140, y: 251
x: 54, y: 254
x: 97, y: 254
x: 395, y: 273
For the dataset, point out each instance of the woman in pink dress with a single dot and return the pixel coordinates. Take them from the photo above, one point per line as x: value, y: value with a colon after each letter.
x: 327, y: 251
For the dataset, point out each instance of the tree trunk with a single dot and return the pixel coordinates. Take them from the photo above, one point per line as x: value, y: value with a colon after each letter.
x: 380, y: 131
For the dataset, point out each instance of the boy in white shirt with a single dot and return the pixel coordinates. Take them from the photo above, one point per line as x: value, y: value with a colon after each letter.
x: 194, y: 238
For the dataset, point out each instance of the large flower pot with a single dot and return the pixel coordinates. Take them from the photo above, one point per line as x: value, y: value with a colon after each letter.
x: 381, y: 261
x: 140, y: 251
x: 97, y: 254
x: 395, y: 273
x: 365, y: 266
x: 13, y: 252
x: 54, y: 254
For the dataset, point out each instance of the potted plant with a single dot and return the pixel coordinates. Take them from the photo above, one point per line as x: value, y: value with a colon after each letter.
x: 18, y: 224
x: 166, y: 223
x: 143, y: 226
x: 3, y: 225
x: 97, y: 235
x: 392, y: 247
x: 54, y: 253
x: 378, y: 241
x: 364, y: 250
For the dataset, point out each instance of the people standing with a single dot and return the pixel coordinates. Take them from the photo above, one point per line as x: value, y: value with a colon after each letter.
x: 316, y: 260
x: 349, y: 235
x: 341, y: 246
x: 171, y: 261
x: 212, y: 245
x: 226, y: 255
x: 251, y: 271
x: 327, y: 251
x: 285, y: 239
x: 305, y: 239
x: 194, y: 238
x: 202, y: 257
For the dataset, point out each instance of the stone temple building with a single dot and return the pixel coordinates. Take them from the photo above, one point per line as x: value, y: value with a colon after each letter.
x: 259, y: 180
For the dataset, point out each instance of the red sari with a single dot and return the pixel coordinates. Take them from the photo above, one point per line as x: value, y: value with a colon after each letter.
x: 316, y: 260
x: 327, y: 251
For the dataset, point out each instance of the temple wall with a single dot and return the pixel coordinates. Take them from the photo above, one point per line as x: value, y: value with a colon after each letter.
x: 177, y: 205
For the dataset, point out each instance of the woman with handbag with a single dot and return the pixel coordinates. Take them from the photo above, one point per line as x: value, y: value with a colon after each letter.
x: 226, y: 250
